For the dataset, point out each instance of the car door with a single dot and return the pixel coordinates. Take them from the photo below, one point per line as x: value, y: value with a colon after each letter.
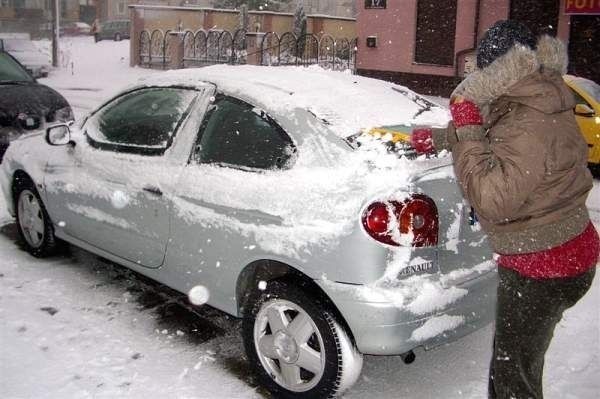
x: 213, y: 232
x: 111, y: 189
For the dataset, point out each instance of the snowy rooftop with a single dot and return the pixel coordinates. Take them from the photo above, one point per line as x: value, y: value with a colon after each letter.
x: 346, y: 102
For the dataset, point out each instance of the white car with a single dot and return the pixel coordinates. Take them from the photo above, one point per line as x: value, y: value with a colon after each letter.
x: 36, y: 63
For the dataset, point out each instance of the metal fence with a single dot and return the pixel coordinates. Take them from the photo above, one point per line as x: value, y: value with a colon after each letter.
x: 214, y: 47
x: 154, y: 49
x: 309, y: 49
x: 223, y: 47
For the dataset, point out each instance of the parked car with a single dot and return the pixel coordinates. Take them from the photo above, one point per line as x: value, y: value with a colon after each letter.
x: 23, y: 49
x: 113, y: 30
x: 587, y: 114
x: 262, y: 192
x: 25, y: 105
x: 75, y: 29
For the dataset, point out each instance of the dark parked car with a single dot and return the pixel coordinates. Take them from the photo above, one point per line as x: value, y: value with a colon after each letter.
x: 25, y: 105
x: 113, y: 30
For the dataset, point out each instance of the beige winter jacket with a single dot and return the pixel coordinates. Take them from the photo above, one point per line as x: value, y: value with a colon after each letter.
x: 525, y: 170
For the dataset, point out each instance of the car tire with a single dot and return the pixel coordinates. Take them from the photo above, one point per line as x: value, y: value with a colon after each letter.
x: 33, y: 222
x: 117, y: 37
x: 287, y: 363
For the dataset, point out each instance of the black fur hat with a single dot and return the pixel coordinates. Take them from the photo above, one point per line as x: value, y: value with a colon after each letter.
x: 500, y: 38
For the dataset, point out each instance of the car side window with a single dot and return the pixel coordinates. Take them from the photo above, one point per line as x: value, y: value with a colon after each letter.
x: 237, y: 134
x: 143, y: 121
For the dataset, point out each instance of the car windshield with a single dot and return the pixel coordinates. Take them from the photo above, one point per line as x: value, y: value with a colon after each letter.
x: 19, y: 45
x: 590, y: 87
x: 11, y: 71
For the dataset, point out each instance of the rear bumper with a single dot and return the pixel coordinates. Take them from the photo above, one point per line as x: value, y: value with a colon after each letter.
x: 381, y: 328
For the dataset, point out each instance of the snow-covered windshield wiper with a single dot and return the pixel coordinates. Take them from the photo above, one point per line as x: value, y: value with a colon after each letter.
x: 424, y: 104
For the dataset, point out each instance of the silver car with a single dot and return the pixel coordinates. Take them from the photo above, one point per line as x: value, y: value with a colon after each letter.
x: 288, y: 197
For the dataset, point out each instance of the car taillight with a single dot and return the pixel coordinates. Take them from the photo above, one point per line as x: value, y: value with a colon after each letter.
x: 378, y: 221
x: 415, y: 218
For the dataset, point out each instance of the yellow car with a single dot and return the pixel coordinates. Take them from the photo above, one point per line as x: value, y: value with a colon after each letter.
x: 587, y: 113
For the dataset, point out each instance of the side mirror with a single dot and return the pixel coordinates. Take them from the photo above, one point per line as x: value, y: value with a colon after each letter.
x: 59, y: 135
x: 583, y: 110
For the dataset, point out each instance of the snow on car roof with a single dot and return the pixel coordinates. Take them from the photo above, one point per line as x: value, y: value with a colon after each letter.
x: 346, y: 103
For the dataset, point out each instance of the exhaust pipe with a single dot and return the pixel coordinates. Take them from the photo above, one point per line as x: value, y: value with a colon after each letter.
x: 408, y: 357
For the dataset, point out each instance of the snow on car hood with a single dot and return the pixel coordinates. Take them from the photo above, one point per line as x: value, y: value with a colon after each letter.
x: 346, y: 103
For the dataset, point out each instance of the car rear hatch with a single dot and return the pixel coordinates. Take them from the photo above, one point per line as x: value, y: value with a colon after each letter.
x: 463, y: 249
x: 463, y: 252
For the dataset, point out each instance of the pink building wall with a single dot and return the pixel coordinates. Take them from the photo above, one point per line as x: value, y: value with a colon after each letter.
x: 395, y: 28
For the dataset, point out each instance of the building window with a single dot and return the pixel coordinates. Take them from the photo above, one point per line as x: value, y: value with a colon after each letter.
x: 436, y: 24
x: 121, y: 7
x: 541, y: 17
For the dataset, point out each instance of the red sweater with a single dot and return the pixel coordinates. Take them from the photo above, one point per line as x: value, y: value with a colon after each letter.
x: 570, y: 259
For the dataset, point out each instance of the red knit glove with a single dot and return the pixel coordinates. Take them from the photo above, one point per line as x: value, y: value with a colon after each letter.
x: 421, y: 140
x: 465, y: 113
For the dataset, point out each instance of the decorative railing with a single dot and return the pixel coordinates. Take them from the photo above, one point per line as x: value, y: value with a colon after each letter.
x: 202, y: 48
x: 309, y: 49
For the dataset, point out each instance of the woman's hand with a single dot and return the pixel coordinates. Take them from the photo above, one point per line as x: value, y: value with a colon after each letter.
x: 464, y: 112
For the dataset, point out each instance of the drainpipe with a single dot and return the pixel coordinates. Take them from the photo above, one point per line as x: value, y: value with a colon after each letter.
x: 475, y: 33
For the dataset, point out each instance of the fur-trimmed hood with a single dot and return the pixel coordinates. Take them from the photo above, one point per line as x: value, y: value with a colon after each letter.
x: 531, y: 77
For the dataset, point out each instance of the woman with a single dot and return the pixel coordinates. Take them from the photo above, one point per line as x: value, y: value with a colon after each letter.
x: 522, y: 164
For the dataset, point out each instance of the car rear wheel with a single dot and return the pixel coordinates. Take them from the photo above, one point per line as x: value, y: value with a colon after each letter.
x: 296, y: 346
x: 33, y: 222
x: 117, y: 37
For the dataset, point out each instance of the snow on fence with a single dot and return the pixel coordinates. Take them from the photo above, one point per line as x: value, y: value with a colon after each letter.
x: 202, y: 48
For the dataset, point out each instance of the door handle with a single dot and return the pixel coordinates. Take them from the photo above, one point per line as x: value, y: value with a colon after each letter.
x: 153, y: 190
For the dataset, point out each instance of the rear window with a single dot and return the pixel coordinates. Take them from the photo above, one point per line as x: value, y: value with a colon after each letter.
x: 395, y: 139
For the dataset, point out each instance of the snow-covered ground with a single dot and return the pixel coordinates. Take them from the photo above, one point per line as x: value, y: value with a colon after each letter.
x: 76, y: 326
x: 90, y: 72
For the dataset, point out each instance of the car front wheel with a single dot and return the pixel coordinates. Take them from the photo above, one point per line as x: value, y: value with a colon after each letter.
x: 117, y: 37
x: 34, y: 225
x: 296, y: 346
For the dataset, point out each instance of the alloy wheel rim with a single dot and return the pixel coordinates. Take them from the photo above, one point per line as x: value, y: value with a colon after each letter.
x: 289, y: 345
x: 31, y: 219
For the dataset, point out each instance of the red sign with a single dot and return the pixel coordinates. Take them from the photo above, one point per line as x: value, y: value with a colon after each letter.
x: 582, y: 6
